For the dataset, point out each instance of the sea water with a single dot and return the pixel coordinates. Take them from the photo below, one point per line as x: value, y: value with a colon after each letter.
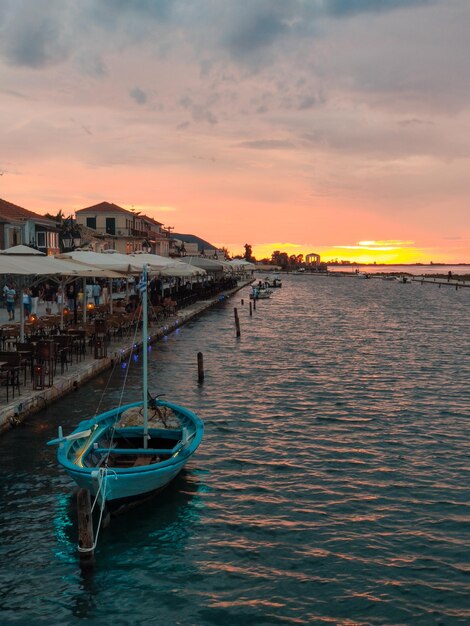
x: 331, y: 486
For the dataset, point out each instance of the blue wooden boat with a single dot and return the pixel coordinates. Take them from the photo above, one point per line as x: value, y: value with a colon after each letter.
x: 121, y: 463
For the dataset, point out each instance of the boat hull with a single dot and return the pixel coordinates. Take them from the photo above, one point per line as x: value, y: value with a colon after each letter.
x: 125, y: 485
x: 115, y: 484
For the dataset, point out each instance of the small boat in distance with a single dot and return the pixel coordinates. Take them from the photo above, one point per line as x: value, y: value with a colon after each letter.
x: 273, y: 282
x: 132, y: 451
x: 260, y: 293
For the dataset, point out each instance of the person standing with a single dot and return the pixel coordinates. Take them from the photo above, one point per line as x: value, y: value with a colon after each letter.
x: 10, y: 296
x: 96, y: 293
x: 60, y: 300
x: 72, y: 295
x: 26, y: 297
x: 48, y: 297
x: 105, y: 294
x: 35, y: 293
x: 89, y: 293
x: 4, y: 293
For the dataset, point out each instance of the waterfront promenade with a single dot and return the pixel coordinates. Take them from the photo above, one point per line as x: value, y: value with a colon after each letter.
x: 83, y: 364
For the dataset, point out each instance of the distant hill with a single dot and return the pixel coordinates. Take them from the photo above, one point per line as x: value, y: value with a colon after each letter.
x: 201, y: 243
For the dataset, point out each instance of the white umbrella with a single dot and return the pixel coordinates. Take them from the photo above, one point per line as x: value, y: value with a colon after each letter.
x: 119, y: 262
x: 164, y: 265
x: 242, y: 263
x: 181, y: 271
x: 22, y: 250
x: 33, y: 265
x: 209, y: 265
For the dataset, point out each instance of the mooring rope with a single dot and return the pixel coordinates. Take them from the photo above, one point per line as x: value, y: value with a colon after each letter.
x: 102, y: 479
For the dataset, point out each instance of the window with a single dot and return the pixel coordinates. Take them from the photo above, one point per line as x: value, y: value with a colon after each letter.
x: 91, y: 222
x: 41, y: 239
x: 111, y: 225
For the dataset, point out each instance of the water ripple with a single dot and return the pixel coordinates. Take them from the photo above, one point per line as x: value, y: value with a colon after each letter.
x: 331, y: 486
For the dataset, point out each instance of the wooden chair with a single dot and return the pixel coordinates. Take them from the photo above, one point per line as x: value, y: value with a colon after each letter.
x: 78, y: 336
x: 46, y: 363
x: 10, y: 371
x: 27, y: 351
x: 64, y: 348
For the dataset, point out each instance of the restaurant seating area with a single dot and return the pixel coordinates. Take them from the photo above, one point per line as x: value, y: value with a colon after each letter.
x: 52, y: 347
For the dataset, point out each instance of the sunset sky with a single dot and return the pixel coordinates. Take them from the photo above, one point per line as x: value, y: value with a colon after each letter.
x: 340, y: 127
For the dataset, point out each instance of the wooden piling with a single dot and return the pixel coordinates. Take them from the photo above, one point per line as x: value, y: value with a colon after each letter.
x: 85, y: 528
x: 243, y: 302
x: 200, y: 367
x: 254, y: 304
x: 237, y: 321
x: 251, y: 309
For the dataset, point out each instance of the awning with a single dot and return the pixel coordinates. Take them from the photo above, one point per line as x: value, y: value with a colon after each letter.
x: 166, y: 265
x: 118, y: 262
x: 22, y: 250
x: 209, y: 265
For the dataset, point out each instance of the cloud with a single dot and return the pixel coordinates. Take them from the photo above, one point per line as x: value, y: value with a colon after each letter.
x: 267, y: 144
x: 35, y: 35
x: 383, y: 246
x: 154, y: 9
x: 15, y: 94
x: 138, y: 95
x: 255, y: 32
x: 344, y: 8
x: 199, y: 112
x: 414, y: 122
x: 387, y: 242
x: 92, y: 65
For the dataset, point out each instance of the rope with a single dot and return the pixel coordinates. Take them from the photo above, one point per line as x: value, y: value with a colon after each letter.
x: 103, y: 394
x: 102, y: 478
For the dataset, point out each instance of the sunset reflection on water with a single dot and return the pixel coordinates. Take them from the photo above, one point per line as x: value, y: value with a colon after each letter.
x: 330, y: 484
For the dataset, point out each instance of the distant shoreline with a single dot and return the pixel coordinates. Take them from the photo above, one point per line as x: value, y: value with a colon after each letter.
x: 398, y: 264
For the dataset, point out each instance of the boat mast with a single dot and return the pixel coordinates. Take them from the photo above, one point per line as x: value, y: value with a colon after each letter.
x: 145, y: 352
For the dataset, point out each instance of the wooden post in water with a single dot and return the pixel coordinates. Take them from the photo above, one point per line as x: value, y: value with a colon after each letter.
x: 251, y: 309
x: 254, y: 304
x: 243, y: 302
x: 200, y: 367
x: 85, y: 528
x: 237, y: 321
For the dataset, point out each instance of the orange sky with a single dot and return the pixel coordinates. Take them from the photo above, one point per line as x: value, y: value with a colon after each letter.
x: 264, y: 123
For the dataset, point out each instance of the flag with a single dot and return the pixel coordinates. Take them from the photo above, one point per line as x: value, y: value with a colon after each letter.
x: 142, y: 285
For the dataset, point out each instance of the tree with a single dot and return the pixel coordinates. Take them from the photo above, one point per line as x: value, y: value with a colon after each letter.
x: 283, y: 260
x: 57, y: 218
x: 248, y: 253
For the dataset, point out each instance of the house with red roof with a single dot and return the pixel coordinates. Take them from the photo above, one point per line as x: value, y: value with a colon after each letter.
x: 125, y: 231
x: 21, y: 226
